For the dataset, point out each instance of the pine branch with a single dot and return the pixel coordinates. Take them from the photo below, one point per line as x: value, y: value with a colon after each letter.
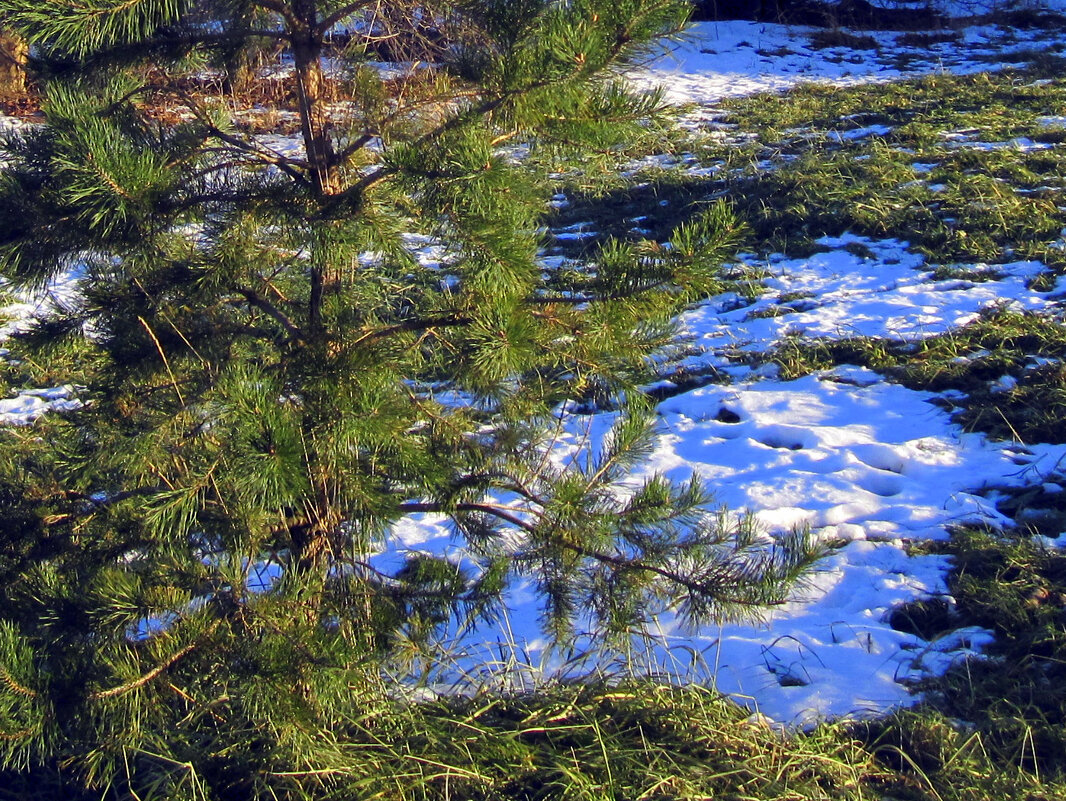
x: 163, y: 355
x: 505, y: 513
x: 578, y: 300
x: 417, y: 324
x: 500, y: 480
x: 342, y: 12
x: 291, y: 167
x: 699, y: 588
x: 118, y: 497
x: 81, y: 27
x: 130, y: 686
x: 228, y: 38
x: 259, y: 302
x: 374, y: 177
x: 265, y: 155
x: 14, y: 686
x: 354, y: 147
x: 282, y: 9
x: 20, y: 735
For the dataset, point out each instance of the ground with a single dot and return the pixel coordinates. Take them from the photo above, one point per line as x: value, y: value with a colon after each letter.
x: 875, y: 465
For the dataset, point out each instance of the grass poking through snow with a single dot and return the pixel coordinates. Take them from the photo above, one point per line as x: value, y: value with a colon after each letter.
x: 1007, y: 367
x: 970, y: 172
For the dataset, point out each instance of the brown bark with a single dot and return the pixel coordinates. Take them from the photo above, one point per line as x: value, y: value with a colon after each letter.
x: 14, y: 53
x: 311, y: 95
x: 307, y: 45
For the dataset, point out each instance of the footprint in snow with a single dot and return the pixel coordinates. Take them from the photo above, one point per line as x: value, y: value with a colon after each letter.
x: 882, y: 483
x: 792, y: 438
x: 879, y: 457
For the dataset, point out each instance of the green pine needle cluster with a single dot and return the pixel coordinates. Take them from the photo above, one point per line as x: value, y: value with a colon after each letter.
x: 270, y: 379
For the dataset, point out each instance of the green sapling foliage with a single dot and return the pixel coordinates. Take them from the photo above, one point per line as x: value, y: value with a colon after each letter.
x: 270, y: 378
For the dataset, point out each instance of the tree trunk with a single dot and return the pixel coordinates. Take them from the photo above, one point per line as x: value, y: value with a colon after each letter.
x: 306, y: 44
x: 14, y: 53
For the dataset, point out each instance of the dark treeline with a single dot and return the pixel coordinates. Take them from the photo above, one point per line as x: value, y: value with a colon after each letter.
x: 859, y: 13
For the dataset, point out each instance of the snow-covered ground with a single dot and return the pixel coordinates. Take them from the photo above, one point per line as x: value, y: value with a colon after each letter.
x: 858, y: 459
x: 863, y: 462
x: 734, y: 58
x: 867, y: 464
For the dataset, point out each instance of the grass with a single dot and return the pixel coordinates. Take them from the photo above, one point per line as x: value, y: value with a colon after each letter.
x: 637, y: 740
x: 964, y: 201
x: 996, y: 102
x: 836, y: 37
x: 622, y: 741
x: 1013, y: 700
x: 960, y: 167
x: 991, y: 728
x: 972, y: 274
x: 1028, y: 349
x: 922, y: 39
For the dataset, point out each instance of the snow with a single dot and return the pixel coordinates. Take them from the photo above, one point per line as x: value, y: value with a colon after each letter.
x: 843, y: 451
x: 888, y: 293
x: 30, y: 404
x: 717, y: 60
x: 868, y: 465
x: 858, y: 460
x: 964, y: 8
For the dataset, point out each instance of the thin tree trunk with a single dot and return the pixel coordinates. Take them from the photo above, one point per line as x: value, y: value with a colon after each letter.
x: 311, y: 96
x: 14, y: 53
x: 314, y: 123
x: 311, y: 542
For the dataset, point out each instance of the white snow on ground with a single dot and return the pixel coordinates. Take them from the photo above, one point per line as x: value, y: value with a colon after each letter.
x: 30, y: 404
x: 887, y: 291
x: 859, y: 460
x: 716, y: 60
x: 868, y: 465
x: 963, y: 8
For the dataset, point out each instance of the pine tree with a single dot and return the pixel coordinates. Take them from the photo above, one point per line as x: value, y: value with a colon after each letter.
x: 270, y: 378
